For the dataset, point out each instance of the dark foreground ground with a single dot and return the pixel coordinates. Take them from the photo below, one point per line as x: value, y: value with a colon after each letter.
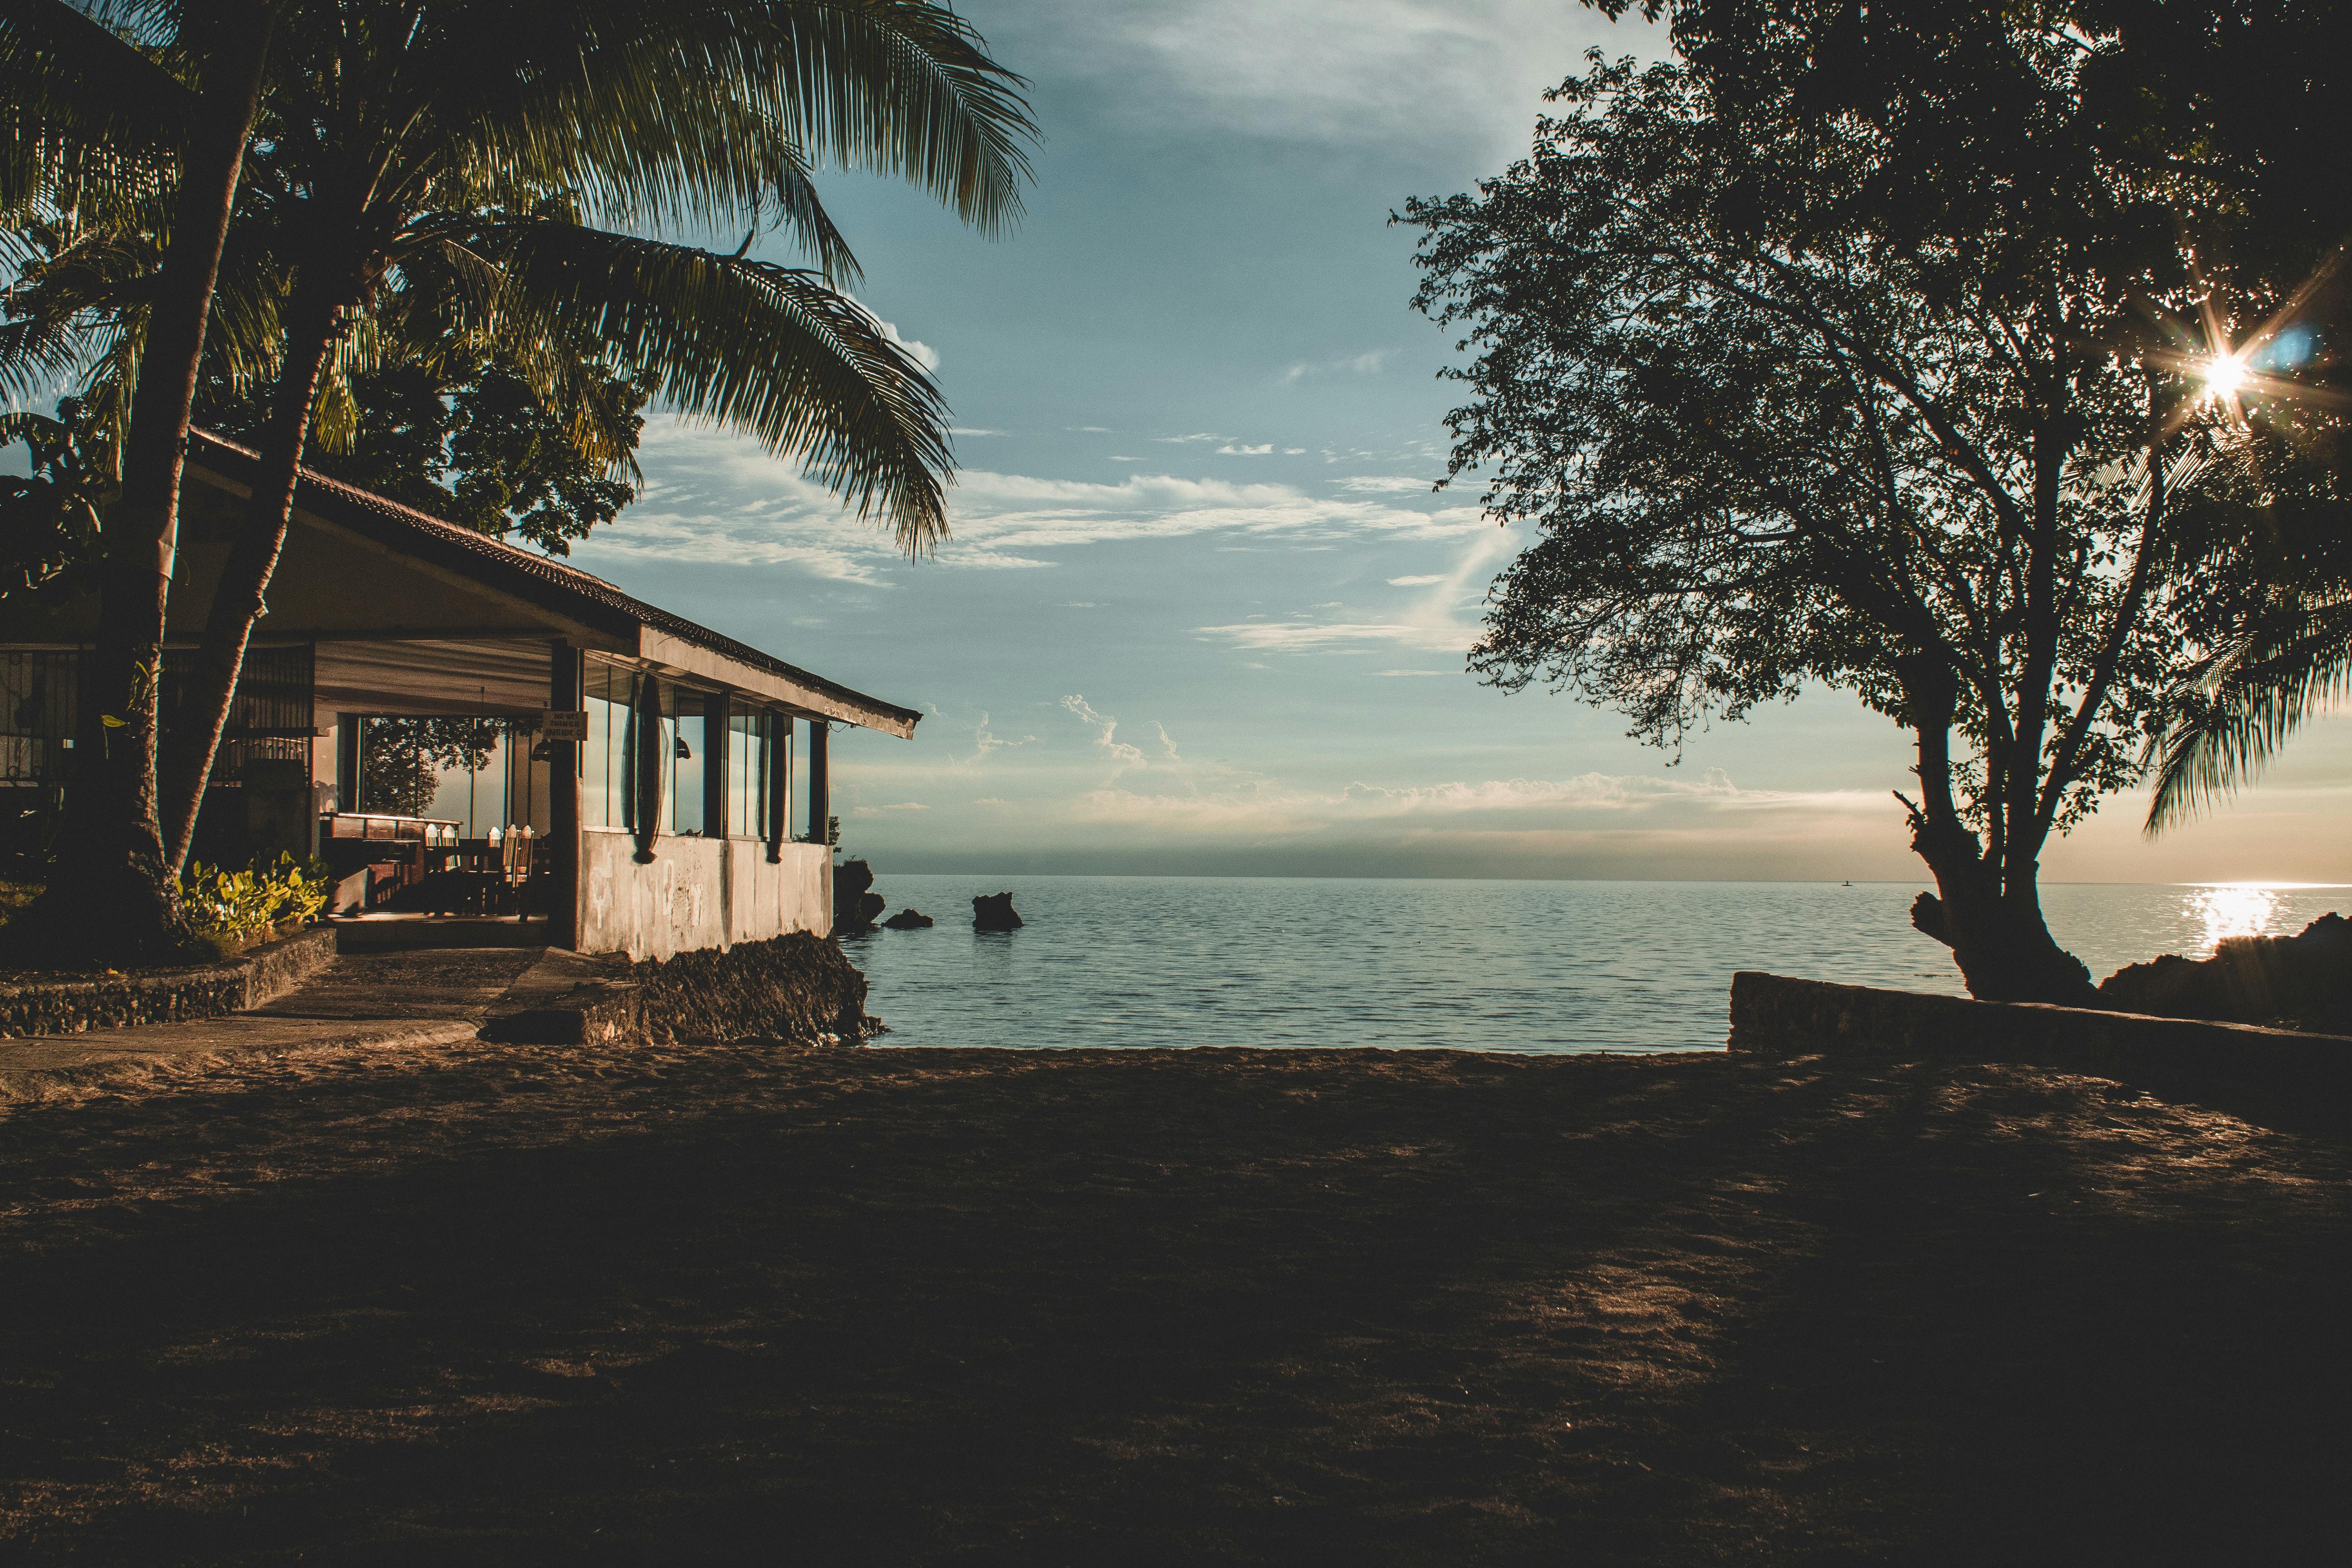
x: 519, y: 1305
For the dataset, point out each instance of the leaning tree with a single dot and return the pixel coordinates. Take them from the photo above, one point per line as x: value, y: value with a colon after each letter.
x: 1766, y: 435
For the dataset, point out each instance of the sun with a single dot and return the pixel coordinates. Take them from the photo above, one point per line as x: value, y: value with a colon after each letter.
x: 2225, y: 375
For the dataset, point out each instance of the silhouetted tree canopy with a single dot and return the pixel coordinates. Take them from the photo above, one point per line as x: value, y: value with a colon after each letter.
x: 1788, y: 399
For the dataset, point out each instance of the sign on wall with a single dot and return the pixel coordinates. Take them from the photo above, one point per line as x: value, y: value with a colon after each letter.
x: 559, y: 725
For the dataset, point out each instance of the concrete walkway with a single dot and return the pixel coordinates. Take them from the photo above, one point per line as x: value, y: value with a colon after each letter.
x: 424, y: 996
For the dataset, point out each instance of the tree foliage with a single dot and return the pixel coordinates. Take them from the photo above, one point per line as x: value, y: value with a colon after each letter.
x: 50, y: 515
x: 1784, y: 405
x: 401, y: 760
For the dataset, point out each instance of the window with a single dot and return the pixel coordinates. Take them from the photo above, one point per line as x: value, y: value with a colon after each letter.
x: 750, y: 757
x: 757, y: 742
x: 682, y: 743
x: 604, y: 693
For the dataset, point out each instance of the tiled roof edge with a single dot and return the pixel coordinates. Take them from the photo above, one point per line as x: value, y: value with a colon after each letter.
x: 530, y: 577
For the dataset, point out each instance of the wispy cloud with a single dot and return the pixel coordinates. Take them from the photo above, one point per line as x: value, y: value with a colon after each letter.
x: 1383, y: 484
x: 1370, y: 363
x: 1316, y: 637
x: 720, y: 499
x: 1433, y: 621
x: 1231, y: 449
x: 1123, y: 756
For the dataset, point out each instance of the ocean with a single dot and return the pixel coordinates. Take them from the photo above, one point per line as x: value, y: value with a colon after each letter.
x: 1489, y: 966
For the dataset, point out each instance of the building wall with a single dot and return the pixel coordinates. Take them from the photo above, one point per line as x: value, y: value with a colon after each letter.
x: 698, y: 893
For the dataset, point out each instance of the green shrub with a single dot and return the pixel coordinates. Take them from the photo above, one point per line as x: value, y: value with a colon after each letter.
x: 227, y: 906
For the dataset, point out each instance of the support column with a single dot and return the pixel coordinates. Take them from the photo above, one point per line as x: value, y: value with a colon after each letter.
x: 563, y: 839
x: 820, y: 806
x: 778, y: 812
x: 717, y: 742
x: 347, y: 761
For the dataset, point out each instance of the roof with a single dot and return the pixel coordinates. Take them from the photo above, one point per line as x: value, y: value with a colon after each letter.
x: 655, y: 633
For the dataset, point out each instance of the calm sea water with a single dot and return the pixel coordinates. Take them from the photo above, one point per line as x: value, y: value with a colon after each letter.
x: 1495, y: 966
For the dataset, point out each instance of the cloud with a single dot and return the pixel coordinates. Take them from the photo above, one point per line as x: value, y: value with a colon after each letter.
x: 1230, y: 450
x: 1122, y: 755
x: 1311, y: 637
x: 1369, y: 364
x: 1423, y: 581
x: 879, y: 810
x: 719, y: 499
x: 1382, y: 484
x: 923, y: 353
x: 1344, y: 73
x: 1398, y: 673
x: 985, y: 744
x: 974, y: 430
x: 1196, y: 436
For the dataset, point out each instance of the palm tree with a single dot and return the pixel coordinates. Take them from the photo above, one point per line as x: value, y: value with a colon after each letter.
x: 2274, y: 522
x: 91, y: 119
x: 486, y: 167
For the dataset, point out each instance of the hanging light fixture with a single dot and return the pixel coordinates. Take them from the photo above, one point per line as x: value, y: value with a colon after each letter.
x: 685, y: 754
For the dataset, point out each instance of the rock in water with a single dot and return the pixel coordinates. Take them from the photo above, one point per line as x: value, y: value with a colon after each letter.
x: 854, y: 908
x: 993, y: 912
x: 908, y: 920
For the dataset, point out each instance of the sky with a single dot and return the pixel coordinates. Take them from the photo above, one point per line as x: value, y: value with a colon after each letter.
x: 1202, y: 611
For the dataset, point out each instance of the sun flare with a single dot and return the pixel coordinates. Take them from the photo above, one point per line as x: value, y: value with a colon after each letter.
x: 2224, y: 376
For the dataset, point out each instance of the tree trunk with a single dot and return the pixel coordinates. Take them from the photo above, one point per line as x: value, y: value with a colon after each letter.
x: 2004, y: 949
x: 112, y: 895
x: 1993, y: 925
x: 238, y: 602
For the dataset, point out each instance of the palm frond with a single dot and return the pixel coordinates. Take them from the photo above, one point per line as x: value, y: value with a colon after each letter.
x: 2235, y: 708
x: 751, y: 346
x: 81, y: 106
x: 716, y: 109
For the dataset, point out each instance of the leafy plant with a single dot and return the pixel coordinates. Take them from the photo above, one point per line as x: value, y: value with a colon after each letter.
x: 226, y: 905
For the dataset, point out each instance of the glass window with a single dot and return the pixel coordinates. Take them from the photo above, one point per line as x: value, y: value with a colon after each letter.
x: 599, y: 764
x: 683, y: 733
x: 605, y: 693
x: 747, y: 773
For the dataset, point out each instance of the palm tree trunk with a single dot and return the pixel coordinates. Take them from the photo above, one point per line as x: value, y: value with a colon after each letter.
x: 237, y: 600
x: 112, y: 892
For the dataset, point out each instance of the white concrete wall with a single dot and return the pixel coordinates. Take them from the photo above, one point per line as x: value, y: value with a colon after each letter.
x: 698, y: 892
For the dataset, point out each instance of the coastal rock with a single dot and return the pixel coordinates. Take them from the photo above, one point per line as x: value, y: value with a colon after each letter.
x: 993, y: 912
x: 854, y: 908
x: 908, y: 920
x: 2301, y: 982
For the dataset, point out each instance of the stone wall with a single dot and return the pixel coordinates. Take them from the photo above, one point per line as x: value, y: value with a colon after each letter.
x: 1772, y: 1014
x: 797, y: 987
x: 698, y: 893
x: 68, y: 1006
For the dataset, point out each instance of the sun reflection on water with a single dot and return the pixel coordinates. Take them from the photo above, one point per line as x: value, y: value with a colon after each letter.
x: 2227, y: 912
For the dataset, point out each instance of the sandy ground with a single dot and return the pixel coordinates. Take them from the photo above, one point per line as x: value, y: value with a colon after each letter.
x: 479, y: 1304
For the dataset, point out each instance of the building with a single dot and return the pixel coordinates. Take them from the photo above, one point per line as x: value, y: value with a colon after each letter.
x: 652, y: 774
